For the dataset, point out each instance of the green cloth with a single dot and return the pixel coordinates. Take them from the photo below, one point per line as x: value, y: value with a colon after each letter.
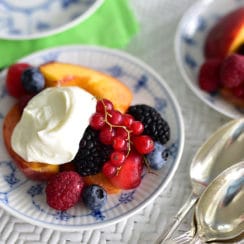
x: 112, y: 25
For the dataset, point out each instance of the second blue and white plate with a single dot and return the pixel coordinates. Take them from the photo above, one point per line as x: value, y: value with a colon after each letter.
x: 25, y: 199
x: 31, y: 19
x: 189, y: 42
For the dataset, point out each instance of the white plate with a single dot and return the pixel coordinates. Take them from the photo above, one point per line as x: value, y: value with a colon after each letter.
x: 39, y: 18
x: 26, y: 199
x: 189, y: 41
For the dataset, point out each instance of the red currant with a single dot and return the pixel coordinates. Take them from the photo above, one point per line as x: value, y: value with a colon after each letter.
x: 144, y: 144
x: 127, y: 120
x: 117, y: 158
x: 104, y: 105
x: 109, y: 170
x: 121, y: 132
x: 13, y: 80
x: 137, y: 128
x: 115, y: 117
x: 119, y: 143
x: 106, y: 135
x: 97, y: 121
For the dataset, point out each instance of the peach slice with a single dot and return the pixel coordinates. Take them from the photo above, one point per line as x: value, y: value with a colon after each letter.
x: 98, y: 84
x: 228, y: 96
x: 101, y: 180
x: 226, y: 36
x: 32, y: 170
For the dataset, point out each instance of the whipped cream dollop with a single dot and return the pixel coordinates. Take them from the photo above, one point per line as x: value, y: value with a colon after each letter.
x: 52, y: 125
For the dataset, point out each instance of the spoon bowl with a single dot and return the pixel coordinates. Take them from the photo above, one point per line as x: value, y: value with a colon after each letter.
x: 219, y: 212
x: 223, y: 149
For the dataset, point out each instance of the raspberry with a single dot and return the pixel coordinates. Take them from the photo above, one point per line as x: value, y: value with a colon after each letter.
x: 154, y: 125
x: 13, y: 80
x: 232, y: 71
x: 209, y: 75
x: 63, y: 191
x: 238, y: 91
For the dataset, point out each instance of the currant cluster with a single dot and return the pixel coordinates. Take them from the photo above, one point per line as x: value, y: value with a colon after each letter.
x: 122, y: 132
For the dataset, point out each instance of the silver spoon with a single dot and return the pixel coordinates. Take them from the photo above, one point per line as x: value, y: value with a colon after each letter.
x: 221, y: 150
x: 219, y: 213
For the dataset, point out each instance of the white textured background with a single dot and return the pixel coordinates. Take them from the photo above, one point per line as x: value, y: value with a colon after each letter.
x: 154, y: 44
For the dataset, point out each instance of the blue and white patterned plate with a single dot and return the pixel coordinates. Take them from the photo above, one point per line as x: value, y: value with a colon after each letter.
x: 189, y: 41
x: 38, y: 18
x: 26, y: 199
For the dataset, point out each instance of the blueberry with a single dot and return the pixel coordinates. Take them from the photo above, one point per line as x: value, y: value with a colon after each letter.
x: 158, y: 157
x: 94, y: 197
x: 32, y: 80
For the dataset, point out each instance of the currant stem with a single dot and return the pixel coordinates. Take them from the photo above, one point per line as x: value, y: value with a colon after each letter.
x: 106, y: 113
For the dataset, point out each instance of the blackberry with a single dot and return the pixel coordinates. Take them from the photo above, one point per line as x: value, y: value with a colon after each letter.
x: 154, y: 125
x: 92, y: 154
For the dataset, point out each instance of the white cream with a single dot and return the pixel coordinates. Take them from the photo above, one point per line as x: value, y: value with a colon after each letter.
x: 52, y: 124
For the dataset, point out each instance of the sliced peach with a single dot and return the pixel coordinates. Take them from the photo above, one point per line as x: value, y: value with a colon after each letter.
x: 101, y: 180
x: 228, y: 96
x: 98, y: 84
x: 226, y: 36
x: 32, y: 170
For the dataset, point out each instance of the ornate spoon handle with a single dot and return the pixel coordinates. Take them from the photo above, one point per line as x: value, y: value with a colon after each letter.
x: 177, y: 219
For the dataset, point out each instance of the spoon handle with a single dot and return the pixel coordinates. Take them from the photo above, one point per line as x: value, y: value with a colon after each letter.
x: 177, y: 219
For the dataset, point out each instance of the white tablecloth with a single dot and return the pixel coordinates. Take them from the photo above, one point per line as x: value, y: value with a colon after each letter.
x: 154, y: 44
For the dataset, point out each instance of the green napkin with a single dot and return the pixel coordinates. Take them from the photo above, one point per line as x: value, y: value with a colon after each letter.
x: 112, y: 25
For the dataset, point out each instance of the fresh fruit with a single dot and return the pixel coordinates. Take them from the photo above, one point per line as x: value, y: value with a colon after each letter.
x: 226, y: 36
x: 64, y: 190
x: 143, y: 144
x: 97, y: 83
x: 23, y: 100
x: 158, y: 157
x: 92, y: 154
x: 13, y: 79
x: 238, y: 91
x: 228, y: 95
x: 115, y: 117
x: 232, y: 71
x: 67, y: 167
x: 32, y: 170
x: 94, y: 197
x: 101, y: 180
x: 137, y: 128
x: 97, y: 121
x: 106, y: 135
x: 209, y: 75
x: 119, y: 143
x: 109, y: 169
x: 32, y: 80
x: 129, y: 174
x: 154, y: 124
x: 127, y: 120
x: 104, y: 105
x: 117, y: 158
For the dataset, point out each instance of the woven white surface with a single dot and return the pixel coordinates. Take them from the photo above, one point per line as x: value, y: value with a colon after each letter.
x: 154, y: 44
